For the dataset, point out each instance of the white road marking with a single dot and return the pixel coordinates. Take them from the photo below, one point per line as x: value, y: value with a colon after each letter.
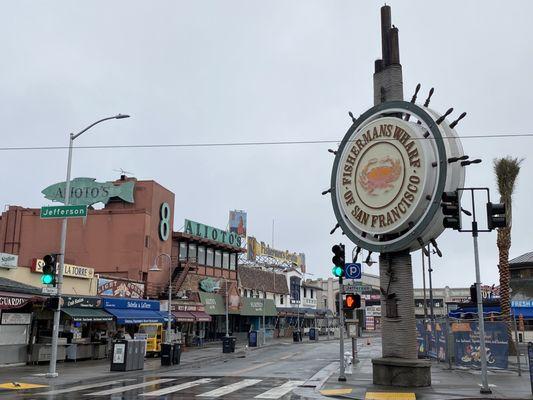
x: 129, y: 387
x: 230, y: 388
x: 82, y: 387
x: 277, y: 392
x: 177, y: 388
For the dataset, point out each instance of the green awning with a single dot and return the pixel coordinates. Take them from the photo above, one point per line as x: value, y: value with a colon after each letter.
x: 214, y: 303
x: 254, y: 307
x: 79, y: 314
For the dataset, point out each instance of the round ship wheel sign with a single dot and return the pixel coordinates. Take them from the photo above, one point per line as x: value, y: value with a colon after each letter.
x: 389, y: 174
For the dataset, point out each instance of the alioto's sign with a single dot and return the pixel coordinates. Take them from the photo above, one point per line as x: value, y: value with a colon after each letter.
x: 389, y: 174
x: 208, y: 232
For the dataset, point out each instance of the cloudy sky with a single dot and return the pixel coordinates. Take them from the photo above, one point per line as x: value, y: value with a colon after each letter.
x: 239, y: 71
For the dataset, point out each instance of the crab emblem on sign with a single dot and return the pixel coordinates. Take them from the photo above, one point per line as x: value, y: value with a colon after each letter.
x: 380, y: 174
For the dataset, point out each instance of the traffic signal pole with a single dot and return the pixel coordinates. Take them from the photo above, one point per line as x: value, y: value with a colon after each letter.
x: 342, y: 376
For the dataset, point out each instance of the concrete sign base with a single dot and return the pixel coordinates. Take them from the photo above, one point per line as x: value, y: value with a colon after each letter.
x: 402, y: 372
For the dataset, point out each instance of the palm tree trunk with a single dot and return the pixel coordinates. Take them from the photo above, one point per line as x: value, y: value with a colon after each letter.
x: 504, y: 244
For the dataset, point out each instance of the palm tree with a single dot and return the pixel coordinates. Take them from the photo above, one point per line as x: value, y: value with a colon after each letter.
x: 506, y: 170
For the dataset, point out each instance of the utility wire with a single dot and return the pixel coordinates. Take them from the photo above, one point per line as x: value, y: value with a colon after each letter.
x: 235, y: 144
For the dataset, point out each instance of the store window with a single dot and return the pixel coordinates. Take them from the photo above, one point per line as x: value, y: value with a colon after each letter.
x: 192, y: 252
x: 233, y: 261
x: 264, y: 295
x: 281, y: 298
x: 218, y: 258
x: 311, y: 293
x: 225, y: 260
x: 183, y: 251
x: 210, y: 257
x: 305, y: 292
x: 201, y: 255
x: 257, y: 294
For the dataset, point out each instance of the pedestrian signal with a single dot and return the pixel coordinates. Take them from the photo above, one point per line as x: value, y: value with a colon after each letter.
x: 496, y: 215
x: 352, y: 301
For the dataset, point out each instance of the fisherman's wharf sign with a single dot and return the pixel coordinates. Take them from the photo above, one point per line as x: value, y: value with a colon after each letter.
x: 389, y: 175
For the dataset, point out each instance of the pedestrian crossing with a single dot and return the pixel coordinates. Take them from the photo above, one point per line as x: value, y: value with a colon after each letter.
x: 182, y: 388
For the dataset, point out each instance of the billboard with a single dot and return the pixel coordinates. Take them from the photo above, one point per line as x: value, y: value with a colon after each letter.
x: 237, y: 222
x: 117, y: 287
x: 256, y: 249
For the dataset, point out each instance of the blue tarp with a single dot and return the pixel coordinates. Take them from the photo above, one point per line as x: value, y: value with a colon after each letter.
x: 133, y: 316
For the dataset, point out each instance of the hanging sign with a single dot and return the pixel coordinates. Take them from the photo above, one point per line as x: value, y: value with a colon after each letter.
x: 75, y: 271
x: 8, y: 260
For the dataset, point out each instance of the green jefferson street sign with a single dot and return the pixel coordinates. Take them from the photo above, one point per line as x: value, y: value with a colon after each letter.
x: 63, y: 212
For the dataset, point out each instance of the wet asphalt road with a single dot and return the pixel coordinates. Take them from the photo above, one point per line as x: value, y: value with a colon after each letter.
x: 271, y: 373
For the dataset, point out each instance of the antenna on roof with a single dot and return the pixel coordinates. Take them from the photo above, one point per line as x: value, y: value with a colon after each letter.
x: 123, y: 173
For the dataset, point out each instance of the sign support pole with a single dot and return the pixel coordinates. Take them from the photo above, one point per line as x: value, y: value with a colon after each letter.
x: 57, y: 313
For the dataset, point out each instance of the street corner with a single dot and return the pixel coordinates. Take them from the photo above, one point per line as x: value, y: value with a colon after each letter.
x: 20, y: 385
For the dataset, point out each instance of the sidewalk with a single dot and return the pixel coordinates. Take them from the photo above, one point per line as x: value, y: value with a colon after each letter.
x: 74, y: 372
x: 446, y: 383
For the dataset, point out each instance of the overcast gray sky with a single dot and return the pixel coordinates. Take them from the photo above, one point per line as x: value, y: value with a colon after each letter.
x: 233, y: 71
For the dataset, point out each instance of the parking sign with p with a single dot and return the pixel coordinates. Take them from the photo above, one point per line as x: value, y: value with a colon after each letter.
x: 352, y: 271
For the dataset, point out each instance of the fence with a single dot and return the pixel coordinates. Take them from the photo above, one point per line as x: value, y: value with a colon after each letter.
x: 456, y: 342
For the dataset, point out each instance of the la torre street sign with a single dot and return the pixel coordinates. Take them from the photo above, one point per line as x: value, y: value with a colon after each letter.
x: 63, y: 212
x: 389, y: 175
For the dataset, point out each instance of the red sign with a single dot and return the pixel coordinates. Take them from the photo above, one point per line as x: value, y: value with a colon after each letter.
x: 12, y: 301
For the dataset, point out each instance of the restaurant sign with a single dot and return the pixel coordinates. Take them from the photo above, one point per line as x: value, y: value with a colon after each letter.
x: 209, y: 285
x: 130, y: 303
x: 16, y: 318
x: 8, y: 260
x: 75, y: 271
x: 12, y: 301
x: 82, y: 302
x: 208, y: 232
x: 256, y: 249
x: 86, y: 191
x: 120, y: 288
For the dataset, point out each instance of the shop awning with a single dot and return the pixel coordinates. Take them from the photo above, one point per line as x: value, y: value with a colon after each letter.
x: 183, y: 316
x: 134, y: 316
x: 525, y: 312
x: 79, y: 314
x: 214, y: 303
x: 201, y: 316
x: 16, y: 300
x: 254, y: 307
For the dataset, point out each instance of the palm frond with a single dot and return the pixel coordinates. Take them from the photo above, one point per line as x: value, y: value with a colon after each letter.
x: 506, y: 170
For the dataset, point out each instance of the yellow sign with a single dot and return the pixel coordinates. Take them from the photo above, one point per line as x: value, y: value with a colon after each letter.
x: 75, y: 271
x: 20, y: 385
x: 389, y: 396
x: 256, y: 249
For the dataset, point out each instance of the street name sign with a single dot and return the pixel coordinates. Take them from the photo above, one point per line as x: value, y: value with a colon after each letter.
x: 63, y: 212
x: 49, y: 290
x: 352, y: 271
x: 351, y: 289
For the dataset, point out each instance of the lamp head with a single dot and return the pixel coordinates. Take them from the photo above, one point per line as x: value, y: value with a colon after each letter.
x: 154, y: 268
x: 121, y: 116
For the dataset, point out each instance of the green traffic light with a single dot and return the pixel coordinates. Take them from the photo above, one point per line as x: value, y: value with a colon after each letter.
x: 47, y: 279
x: 337, y: 271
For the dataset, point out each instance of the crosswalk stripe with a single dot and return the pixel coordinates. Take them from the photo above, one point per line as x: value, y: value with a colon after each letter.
x: 82, y: 387
x: 230, y: 388
x: 177, y: 388
x: 129, y: 387
x: 277, y: 392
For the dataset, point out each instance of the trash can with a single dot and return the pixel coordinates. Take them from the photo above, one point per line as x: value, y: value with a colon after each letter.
x: 233, y: 341
x: 252, y: 339
x: 166, y: 354
x: 312, y: 334
x: 226, y: 344
x: 296, y: 336
x: 119, y: 355
x: 176, y: 353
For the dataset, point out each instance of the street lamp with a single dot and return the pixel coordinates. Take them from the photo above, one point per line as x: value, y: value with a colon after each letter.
x: 227, y: 306
x: 155, y: 268
x: 55, y: 330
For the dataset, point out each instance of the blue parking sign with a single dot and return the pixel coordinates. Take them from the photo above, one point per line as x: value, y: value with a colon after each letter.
x: 352, y: 271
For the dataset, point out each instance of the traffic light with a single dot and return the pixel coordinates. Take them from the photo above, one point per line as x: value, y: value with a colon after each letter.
x: 49, y: 270
x: 351, y: 302
x: 451, y: 210
x: 496, y: 217
x: 338, y: 260
x: 52, y: 303
x: 473, y: 293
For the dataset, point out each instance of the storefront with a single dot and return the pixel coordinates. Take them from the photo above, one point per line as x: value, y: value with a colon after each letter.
x: 252, y: 312
x: 16, y: 319
x: 191, y: 321
x: 129, y: 313
x: 86, y: 326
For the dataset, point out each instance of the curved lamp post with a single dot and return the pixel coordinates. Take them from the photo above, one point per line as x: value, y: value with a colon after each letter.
x: 55, y: 331
x: 156, y: 268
